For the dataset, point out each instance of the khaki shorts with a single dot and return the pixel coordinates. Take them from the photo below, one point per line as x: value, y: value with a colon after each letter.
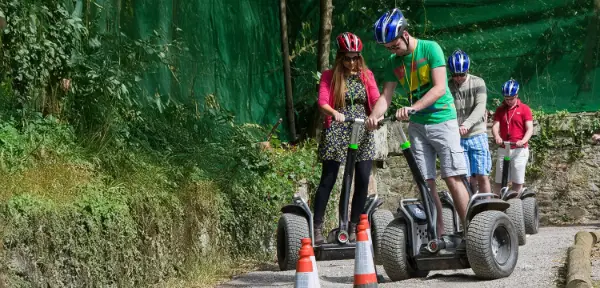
x: 432, y: 140
x: 518, y: 164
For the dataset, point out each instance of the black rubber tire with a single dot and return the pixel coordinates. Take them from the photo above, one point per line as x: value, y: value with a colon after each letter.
x: 480, y: 252
x: 395, y: 254
x: 448, y: 216
x: 380, y: 220
x: 531, y: 215
x: 515, y: 213
x: 291, y: 228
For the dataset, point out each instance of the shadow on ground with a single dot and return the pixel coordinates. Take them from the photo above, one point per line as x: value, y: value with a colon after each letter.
x: 260, y: 280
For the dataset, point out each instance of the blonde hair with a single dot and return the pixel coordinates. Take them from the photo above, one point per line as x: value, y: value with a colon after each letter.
x: 338, y: 82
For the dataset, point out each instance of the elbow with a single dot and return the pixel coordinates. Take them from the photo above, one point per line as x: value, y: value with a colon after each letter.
x: 441, y: 91
x: 321, y: 108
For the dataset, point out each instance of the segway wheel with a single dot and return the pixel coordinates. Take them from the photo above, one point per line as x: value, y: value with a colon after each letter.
x: 448, y: 217
x: 492, y: 245
x: 291, y: 228
x: 395, y: 255
x: 530, y: 215
x: 381, y: 219
x: 515, y: 213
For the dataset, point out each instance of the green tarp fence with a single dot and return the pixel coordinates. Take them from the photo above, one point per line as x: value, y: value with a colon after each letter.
x: 550, y: 47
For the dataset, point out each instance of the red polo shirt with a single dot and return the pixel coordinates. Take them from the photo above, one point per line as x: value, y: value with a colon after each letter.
x: 512, y: 121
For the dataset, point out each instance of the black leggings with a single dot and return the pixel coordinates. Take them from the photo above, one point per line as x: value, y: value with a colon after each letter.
x: 328, y: 177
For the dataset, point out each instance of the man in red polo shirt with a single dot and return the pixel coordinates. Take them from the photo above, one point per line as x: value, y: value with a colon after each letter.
x: 513, y: 121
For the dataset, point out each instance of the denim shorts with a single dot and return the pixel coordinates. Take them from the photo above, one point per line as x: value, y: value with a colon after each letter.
x: 432, y: 140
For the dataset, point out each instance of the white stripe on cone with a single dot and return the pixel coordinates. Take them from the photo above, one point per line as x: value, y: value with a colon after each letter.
x: 315, y: 274
x: 370, y: 241
x: 303, y: 279
x: 364, y: 258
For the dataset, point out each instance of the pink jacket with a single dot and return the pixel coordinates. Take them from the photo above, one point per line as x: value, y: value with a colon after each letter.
x: 325, y: 90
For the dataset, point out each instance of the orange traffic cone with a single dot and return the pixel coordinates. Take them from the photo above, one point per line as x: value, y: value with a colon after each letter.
x: 304, y: 269
x: 364, y: 268
x: 364, y: 220
x: 306, y: 244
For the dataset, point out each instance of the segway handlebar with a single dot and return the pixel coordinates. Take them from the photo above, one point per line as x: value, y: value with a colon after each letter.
x: 508, y: 143
x: 354, y: 120
x: 393, y: 118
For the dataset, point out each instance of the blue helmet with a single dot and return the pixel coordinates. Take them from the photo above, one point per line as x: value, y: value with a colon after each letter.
x: 510, y: 88
x: 458, y: 62
x: 389, y: 26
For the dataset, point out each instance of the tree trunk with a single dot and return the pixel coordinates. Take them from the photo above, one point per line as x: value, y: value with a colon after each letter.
x: 324, y: 35
x: 323, y: 60
x: 289, y: 99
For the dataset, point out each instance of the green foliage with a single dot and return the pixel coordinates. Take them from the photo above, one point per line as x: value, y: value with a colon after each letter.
x: 563, y: 131
x: 110, y: 236
x: 107, y: 76
x: 38, y: 46
x: 107, y: 184
x: 41, y: 139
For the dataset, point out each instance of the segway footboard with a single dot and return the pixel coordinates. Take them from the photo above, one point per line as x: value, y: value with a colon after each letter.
x: 412, y: 213
x: 525, y: 193
x: 478, y: 203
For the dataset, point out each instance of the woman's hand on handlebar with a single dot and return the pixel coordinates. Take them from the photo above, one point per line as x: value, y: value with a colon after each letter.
x: 339, y: 117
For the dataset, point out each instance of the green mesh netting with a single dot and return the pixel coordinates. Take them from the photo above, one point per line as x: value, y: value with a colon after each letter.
x: 234, y: 51
x: 549, y: 46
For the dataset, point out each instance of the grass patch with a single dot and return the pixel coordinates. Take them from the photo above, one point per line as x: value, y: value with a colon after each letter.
x: 212, y: 271
x: 57, y: 181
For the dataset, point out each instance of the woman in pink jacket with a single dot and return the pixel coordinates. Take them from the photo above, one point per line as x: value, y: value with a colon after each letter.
x: 348, y: 90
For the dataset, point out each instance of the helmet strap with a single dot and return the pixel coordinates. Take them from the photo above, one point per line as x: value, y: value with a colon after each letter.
x: 406, y: 41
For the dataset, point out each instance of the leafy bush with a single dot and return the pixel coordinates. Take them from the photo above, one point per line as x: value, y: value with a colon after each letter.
x: 101, y: 189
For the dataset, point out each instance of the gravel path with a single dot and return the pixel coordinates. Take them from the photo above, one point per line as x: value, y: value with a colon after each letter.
x: 538, y: 266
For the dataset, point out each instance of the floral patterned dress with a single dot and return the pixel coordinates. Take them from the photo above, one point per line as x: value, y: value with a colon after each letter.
x: 335, y: 139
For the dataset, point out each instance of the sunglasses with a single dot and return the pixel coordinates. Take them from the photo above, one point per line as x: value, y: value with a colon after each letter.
x: 350, y: 59
x: 393, y: 48
x: 459, y: 74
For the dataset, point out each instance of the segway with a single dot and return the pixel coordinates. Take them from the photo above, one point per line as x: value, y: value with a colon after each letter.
x: 297, y: 220
x: 526, y: 219
x: 412, y: 246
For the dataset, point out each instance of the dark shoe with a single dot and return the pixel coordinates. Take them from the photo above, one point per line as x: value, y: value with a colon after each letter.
x: 319, y: 239
x: 352, y: 232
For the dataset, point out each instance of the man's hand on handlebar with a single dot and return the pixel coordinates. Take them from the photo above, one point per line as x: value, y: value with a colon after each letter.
x: 376, y: 122
x: 404, y: 113
x: 373, y: 122
x: 520, y: 143
x: 499, y: 141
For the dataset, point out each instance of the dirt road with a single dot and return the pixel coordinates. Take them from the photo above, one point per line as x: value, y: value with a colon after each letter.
x: 538, y: 266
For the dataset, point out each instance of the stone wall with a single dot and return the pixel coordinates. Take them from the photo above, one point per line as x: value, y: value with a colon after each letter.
x: 567, y: 191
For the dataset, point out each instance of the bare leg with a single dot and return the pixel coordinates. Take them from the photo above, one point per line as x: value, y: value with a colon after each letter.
x: 438, y: 206
x: 460, y: 196
x: 484, y: 184
x: 497, y: 188
x: 516, y: 187
x: 473, y: 181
